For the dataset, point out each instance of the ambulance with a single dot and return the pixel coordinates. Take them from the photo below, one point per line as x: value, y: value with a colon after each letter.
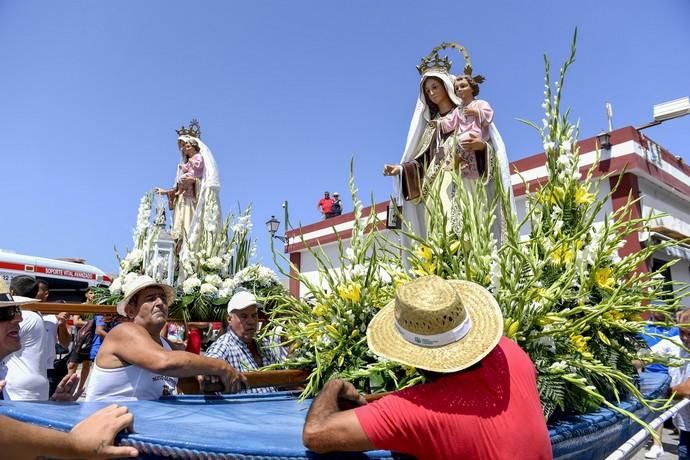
x: 68, y: 279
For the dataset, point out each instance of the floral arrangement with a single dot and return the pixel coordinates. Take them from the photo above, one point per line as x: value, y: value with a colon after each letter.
x: 326, y: 330
x: 207, y: 277
x: 568, y: 299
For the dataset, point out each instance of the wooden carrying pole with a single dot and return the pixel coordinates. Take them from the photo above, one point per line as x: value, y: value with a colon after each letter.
x: 73, y: 308
x: 189, y: 385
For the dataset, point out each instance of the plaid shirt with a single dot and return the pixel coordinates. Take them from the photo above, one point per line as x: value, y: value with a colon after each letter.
x: 233, y: 350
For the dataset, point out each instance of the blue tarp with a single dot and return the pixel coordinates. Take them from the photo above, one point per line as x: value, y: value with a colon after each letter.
x: 270, y: 426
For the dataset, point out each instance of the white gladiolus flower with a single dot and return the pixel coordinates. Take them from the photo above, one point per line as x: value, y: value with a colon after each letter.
x: 229, y: 283
x: 214, y: 263
x: 549, y: 145
x: 215, y: 280
x: 359, y: 270
x: 190, y: 284
x: 116, y: 286
x: 135, y: 257
x: 350, y: 254
x: 208, y: 290
x: 559, y: 366
x: 564, y: 159
x: 495, y: 272
x: 383, y: 276
x: 124, y: 266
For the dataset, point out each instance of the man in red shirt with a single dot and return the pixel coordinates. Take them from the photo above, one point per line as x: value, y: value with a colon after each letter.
x: 325, y: 205
x: 481, y: 400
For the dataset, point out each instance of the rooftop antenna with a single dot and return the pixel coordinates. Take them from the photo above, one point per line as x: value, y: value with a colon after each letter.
x: 609, y: 115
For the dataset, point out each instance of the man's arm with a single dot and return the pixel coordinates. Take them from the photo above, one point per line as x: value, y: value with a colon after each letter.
x: 328, y: 428
x: 93, y: 437
x: 64, y: 338
x: 130, y: 343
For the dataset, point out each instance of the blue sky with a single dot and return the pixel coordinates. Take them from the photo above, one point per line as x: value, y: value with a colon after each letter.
x: 286, y: 93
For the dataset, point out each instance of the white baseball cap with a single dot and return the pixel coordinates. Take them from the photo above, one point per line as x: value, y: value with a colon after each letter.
x: 242, y: 300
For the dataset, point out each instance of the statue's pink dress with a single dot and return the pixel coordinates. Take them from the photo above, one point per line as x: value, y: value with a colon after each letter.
x: 189, y: 194
x: 464, y: 126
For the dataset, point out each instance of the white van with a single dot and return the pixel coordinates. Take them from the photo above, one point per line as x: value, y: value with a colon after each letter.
x: 68, y: 279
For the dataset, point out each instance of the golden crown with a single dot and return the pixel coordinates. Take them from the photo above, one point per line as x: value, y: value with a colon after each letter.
x: 194, y: 129
x: 433, y: 61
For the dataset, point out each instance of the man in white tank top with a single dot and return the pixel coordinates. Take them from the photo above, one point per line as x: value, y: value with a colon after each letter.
x: 92, y: 437
x: 135, y: 362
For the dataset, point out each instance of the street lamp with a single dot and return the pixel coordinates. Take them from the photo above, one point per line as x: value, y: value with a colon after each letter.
x: 604, y: 140
x: 272, y: 226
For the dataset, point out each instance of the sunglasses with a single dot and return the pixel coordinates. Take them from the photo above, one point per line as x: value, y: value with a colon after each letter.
x: 8, y: 313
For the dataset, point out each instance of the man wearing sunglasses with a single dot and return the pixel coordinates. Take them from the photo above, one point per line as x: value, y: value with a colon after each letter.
x: 93, y: 437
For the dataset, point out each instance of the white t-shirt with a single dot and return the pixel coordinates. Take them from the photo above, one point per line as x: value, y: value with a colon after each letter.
x: 129, y: 383
x: 26, y: 368
x: 678, y: 374
x: 50, y: 323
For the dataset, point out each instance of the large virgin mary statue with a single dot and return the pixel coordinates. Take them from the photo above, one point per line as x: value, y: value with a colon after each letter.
x: 195, y: 198
x: 431, y: 154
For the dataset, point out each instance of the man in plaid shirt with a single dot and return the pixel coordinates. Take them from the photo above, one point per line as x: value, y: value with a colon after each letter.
x: 238, y: 345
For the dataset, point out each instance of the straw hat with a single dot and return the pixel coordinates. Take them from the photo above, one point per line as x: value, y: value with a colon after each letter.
x: 437, y: 325
x: 9, y: 300
x: 137, y: 285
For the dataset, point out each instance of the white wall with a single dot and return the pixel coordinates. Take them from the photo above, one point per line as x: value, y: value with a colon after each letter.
x: 657, y: 200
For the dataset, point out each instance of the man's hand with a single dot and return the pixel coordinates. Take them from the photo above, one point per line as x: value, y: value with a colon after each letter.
x: 94, y: 436
x: 62, y: 317
x: 391, y: 170
x: 682, y: 389
x: 232, y: 380
x: 65, y: 390
x: 229, y: 381
x: 348, y: 396
x: 330, y: 426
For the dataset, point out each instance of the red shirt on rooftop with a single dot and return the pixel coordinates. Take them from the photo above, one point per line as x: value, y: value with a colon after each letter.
x: 489, y: 411
x: 325, y: 204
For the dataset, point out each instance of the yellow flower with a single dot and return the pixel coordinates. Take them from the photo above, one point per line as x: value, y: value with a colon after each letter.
x: 537, y: 293
x: 579, y: 342
x: 424, y: 252
x: 562, y: 254
x: 351, y: 292
x: 454, y: 246
x: 332, y: 331
x: 320, y: 310
x: 557, y: 194
x: 603, y: 278
x: 400, y: 279
x: 582, y: 195
x: 613, y: 315
x: 425, y: 268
